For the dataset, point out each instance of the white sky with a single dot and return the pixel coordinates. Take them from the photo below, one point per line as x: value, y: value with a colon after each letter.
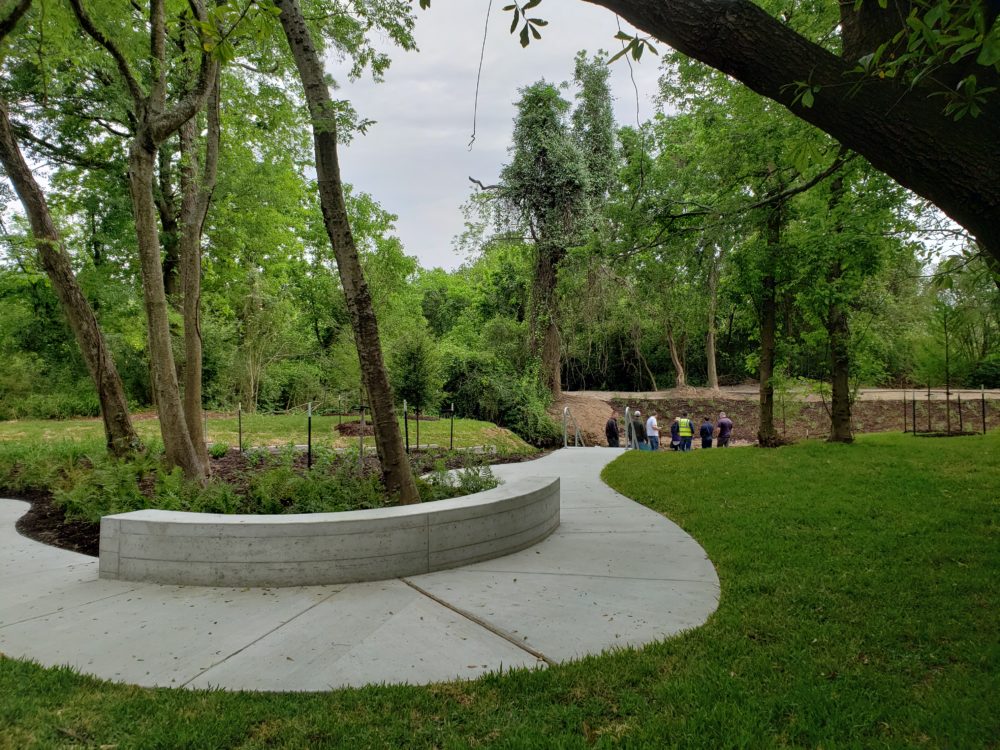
x: 415, y: 160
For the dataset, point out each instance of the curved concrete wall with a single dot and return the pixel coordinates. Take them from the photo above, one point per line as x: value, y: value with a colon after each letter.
x: 212, y: 549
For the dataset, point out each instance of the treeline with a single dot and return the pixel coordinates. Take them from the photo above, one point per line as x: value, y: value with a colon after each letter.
x: 722, y: 241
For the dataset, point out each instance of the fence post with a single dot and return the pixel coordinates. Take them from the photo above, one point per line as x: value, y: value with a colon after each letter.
x: 928, y: 407
x: 904, y: 412
x: 361, y: 438
x: 406, y: 427
x: 309, y: 437
x: 982, y: 392
x: 451, y: 438
x: 961, y: 423
x: 239, y: 422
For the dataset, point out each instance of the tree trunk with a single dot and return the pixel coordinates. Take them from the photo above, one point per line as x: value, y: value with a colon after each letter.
x: 899, y: 128
x: 196, y: 194
x: 839, y: 335
x: 155, y: 122
x: 170, y: 230
x: 767, y: 436
x: 838, y: 330
x: 713, y: 303
x: 119, y: 433
x: 388, y: 441
x: 677, y: 358
x: 543, y: 320
x: 173, y: 428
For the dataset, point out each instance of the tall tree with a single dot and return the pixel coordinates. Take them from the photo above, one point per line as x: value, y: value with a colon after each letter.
x: 120, y: 435
x: 389, y: 442
x: 546, y: 186
x: 155, y: 121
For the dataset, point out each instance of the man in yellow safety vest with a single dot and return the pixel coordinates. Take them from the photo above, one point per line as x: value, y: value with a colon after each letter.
x: 686, y: 430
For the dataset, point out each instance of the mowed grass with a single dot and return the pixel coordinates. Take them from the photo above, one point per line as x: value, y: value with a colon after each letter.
x: 269, y: 429
x: 859, y: 608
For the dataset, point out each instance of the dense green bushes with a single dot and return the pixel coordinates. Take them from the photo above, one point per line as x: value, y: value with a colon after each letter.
x: 985, y: 373
x: 482, y: 387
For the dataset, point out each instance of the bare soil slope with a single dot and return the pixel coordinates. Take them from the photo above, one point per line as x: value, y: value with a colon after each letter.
x: 801, y: 416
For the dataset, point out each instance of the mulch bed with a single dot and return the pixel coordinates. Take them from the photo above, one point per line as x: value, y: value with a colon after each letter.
x: 46, y: 522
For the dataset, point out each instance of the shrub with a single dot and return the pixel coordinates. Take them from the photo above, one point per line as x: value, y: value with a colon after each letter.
x: 442, y: 484
x: 985, y: 373
x: 218, y: 450
x: 482, y: 388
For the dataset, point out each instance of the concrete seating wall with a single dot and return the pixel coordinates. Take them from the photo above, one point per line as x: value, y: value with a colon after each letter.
x: 211, y: 549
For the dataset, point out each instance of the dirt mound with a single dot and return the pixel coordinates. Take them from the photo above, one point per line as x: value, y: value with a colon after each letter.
x: 353, y: 429
x: 590, y: 410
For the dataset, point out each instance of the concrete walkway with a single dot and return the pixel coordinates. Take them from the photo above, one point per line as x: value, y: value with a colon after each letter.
x: 614, y: 574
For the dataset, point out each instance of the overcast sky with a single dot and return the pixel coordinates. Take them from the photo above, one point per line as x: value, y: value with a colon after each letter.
x: 415, y: 161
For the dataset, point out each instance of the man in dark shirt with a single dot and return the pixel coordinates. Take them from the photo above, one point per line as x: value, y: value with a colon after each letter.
x: 725, y: 430
x: 639, y: 430
x: 611, y: 431
x: 706, y: 431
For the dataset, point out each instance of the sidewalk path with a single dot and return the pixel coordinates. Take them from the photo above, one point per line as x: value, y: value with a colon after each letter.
x: 614, y: 574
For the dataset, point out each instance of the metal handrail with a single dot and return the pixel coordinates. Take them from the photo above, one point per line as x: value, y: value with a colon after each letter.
x: 632, y: 440
x: 577, y: 438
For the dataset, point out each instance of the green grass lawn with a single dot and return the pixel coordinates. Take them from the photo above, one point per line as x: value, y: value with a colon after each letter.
x: 859, y: 608
x: 268, y: 429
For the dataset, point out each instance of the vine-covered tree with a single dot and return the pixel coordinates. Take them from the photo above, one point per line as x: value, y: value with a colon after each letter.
x: 545, y: 185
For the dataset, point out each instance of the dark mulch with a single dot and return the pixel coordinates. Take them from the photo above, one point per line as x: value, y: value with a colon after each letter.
x: 46, y: 522
x: 353, y: 429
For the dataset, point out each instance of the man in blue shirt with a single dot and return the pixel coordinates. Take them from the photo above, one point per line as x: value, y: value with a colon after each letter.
x: 706, y: 431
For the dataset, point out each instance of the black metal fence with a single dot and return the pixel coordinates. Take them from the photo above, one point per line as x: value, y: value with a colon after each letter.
x: 945, y: 412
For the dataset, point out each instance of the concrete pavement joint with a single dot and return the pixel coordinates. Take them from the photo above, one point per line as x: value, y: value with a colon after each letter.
x: 509, y: 637
x: 76, y: 604
x: 245, y: 646
x: 560, y: 574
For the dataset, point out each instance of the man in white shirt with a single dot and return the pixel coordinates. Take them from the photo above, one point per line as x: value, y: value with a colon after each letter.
x: 653, y: 432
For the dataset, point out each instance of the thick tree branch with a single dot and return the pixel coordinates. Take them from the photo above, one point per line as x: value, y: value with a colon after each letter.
x: 131, y: 82
x: 10, y: 21
x: 483, y: 187
x: 900, y: 130
x: 194, y: 99
x: 55, y: 152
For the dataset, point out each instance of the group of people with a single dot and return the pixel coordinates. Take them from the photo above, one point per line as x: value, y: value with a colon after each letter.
x: 682, y: 431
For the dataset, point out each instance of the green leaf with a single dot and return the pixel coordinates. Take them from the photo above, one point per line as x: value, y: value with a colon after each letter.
x: 807, y: 98
x: 525, y: 39
x: 990, y: 53
x: 618, y: 55
x: 531, y: 4
x: 513, y: 23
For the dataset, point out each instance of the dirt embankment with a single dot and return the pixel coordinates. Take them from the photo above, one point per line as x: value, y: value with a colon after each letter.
x: 795, y: 419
